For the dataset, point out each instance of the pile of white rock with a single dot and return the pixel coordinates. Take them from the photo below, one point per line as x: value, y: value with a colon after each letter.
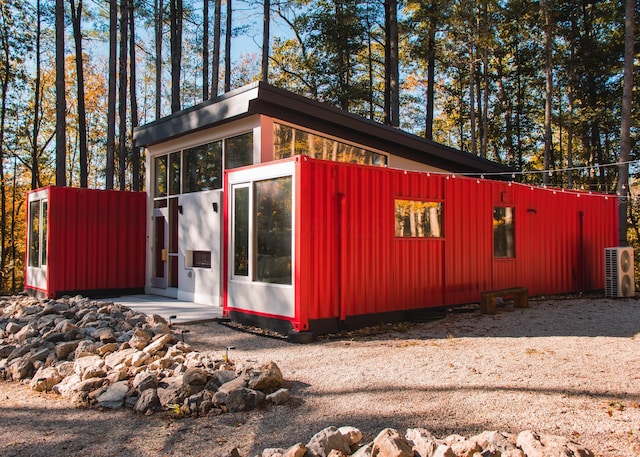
x: 417, y: 442
x: 107, y: 355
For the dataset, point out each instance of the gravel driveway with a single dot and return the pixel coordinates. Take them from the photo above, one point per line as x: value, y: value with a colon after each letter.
x: 564, y: 367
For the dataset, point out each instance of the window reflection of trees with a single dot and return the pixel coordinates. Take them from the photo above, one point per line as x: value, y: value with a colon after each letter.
x: 273, y: 204
x: 289, y: 141
x: 503, y: 232
x: 418, y: 219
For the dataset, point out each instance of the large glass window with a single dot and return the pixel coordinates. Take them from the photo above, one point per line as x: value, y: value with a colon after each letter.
x: 503, y: 232
x: 272, y: 210
x: 202, y: 169
x: 418, y: 219
x: 38, y: 233
x: 289, y: 141
x: 199, y: 168
x: 241, y: 231
x: 238, y: 151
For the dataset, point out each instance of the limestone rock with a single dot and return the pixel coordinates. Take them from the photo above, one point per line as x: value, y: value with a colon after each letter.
x: 85, y: 348
x: 106, y: 335
x: 195, y: 377
x: 140, y: 339
x: 91, y: 366
x: 443, y: 450
x: 5, y: 350
x: 535, y: 445
x: 21, y: 369
x: 158, y: 344
x: 466, y: 448
x: 45, y: 379
x: 65, y: 348
x: 323, y: 442
x: 139, y: 358
x: 390, y: 443
x: 114, y: 396
x: 297, y: 450
x: 237, y: 383
x: 424, y: 443
x: 351, y: 434
x: 280, y: 397
x: 500, y: 441
x: 107, y: 348
x: 172, y: 391
x: 144, y: 381
x: 13, y: 328
x: 244, y: 399
x: 148, y: 400
x: 267, y: 378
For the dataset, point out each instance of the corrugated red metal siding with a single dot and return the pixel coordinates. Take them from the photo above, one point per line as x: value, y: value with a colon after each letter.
x: 96, y: 240
x: 350, y: 262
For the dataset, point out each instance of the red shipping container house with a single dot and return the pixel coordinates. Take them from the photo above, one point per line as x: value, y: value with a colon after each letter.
x: 297, y: 216
x: 339, y: 244
x: 85, y: 241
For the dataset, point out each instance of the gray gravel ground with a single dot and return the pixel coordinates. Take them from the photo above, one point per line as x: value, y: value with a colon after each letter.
x: 566, y: 367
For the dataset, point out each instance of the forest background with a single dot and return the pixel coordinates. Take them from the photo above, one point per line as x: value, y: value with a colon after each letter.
x: 538, y: 85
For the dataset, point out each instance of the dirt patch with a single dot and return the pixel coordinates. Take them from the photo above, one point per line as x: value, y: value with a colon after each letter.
x: 564, y: 367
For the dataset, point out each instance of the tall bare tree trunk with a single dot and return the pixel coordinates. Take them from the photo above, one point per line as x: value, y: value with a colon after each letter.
x: 265, y: 39
x: 392, y: 83
x: 205, y: 50
x: 484, y: 114
x: 76, y: 21
x: 227, y: 49
x: 4, y: 78
x: 394, y: 75
x: 548, y: 69
x: 35, y: 166
x: 136, y: 179
x: 111, y: 97
x: 61, y: 100
x: 176, y: 13
x: 215, y: 59
x: 122, y: 94
x: 472, y: 98
x: 625, y: 125
x: 159, y: 17
x: 431, y: 75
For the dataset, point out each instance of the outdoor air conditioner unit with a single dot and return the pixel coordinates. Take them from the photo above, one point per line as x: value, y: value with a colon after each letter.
x: 619, y: 279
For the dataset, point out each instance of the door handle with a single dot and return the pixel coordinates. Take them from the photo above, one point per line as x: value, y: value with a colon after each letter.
x: 163, y: 255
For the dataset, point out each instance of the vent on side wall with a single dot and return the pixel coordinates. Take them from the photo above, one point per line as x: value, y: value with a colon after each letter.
x: 619, y: 279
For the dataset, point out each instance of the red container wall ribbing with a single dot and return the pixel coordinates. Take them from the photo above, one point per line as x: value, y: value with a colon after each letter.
x: 96, y: 240
x: 468, y: 240
x: 351, y: 263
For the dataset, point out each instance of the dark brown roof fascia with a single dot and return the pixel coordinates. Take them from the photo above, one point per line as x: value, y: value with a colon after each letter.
x: 231, y: 105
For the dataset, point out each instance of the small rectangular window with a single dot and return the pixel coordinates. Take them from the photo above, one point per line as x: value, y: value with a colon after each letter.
x: 201, y: 259
x: 418, y: 219
x: 503, y: 232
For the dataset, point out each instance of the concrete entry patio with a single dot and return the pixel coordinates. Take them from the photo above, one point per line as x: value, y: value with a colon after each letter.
x: 184, y: 311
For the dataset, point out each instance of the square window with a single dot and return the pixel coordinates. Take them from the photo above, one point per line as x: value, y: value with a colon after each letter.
x: 418, y: 219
